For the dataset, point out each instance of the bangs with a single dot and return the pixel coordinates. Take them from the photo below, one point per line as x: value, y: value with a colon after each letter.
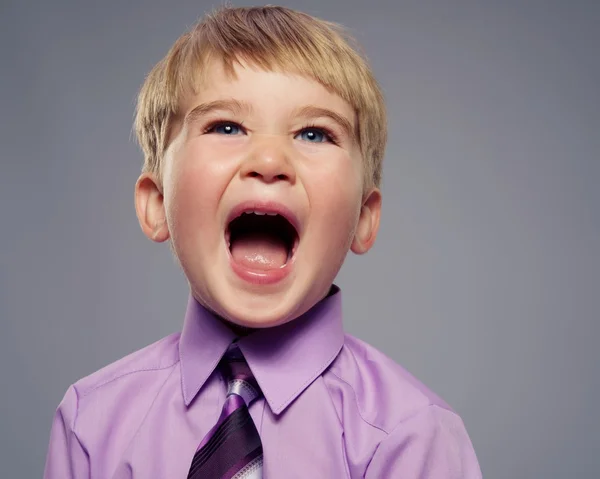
x: 271, y: 41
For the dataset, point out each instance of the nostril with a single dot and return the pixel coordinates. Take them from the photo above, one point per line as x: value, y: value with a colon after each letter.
x: 255, y: 174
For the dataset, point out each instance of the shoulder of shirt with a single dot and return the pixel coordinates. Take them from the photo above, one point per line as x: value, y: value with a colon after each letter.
x: 160, y: 355
x: 383, y: 392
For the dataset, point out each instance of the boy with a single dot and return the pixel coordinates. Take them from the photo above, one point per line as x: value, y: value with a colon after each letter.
x: 263, y: 133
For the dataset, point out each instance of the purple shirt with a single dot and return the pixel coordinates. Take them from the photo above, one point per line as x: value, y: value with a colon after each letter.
x: 333, y: 407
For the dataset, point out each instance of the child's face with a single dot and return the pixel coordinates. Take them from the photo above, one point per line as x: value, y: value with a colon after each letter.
x: 261, y: 142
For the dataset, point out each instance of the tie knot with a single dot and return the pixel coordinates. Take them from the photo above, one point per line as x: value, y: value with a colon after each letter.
x: 239, y: 377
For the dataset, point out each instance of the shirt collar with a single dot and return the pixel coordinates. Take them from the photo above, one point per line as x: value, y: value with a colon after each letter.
x: 284, y: 359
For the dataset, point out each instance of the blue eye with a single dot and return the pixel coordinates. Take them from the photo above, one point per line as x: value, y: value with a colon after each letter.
x: 313, y: 135
x: 227, y: 129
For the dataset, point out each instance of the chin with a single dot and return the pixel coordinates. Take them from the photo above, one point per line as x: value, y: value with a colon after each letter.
x: 257, y: 311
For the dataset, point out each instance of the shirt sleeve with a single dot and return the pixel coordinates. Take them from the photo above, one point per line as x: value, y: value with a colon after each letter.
x: 433, y: 444
x: 66, y: 457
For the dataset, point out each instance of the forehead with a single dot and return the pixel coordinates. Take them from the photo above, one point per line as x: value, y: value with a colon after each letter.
x: 257, y: 86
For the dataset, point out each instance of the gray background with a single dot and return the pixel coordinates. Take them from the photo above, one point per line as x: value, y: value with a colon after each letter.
x: 484, y: 281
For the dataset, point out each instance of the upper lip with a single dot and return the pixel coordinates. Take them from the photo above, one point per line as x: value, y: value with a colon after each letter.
x: 272, y: 207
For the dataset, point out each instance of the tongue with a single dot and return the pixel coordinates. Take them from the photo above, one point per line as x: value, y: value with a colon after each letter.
x: 258, y: 250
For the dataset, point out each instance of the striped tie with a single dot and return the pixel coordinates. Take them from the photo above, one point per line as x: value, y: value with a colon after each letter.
x: 232, y: 448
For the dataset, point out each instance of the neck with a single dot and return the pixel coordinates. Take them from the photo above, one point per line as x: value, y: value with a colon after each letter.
x: 237, y: 329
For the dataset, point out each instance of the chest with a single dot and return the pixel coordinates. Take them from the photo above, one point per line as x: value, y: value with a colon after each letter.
x: 306, y: 440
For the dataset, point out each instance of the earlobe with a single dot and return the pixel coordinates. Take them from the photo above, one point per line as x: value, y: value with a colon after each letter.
x: 149, y: 207
x: 368, y: 223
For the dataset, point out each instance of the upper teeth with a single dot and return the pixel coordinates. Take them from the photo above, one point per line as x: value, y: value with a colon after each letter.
x: 250, y: 212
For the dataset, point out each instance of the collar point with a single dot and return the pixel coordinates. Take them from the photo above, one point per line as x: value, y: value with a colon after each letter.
x: 277, y: 410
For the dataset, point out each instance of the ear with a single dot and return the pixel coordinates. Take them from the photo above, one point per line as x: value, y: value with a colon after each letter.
x: 149, y: 207
x: 368, y: 223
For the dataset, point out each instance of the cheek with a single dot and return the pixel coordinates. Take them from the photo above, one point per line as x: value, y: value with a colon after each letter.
x: 335, y: 183
x: 335, y: 195
x: 196, y: 182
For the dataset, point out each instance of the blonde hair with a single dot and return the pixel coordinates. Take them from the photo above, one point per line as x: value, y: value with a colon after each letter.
x: 272, y: 38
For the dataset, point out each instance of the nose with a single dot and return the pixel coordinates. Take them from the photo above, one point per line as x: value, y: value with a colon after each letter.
x: 269, y: 161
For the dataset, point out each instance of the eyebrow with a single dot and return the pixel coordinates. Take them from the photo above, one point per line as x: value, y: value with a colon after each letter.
x: 234, y: 106
x: 312, y: 111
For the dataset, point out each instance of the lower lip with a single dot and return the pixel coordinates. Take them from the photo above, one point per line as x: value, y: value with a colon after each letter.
x: 261, y: 276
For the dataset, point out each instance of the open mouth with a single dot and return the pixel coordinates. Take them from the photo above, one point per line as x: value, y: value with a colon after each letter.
x: 261, y: 241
